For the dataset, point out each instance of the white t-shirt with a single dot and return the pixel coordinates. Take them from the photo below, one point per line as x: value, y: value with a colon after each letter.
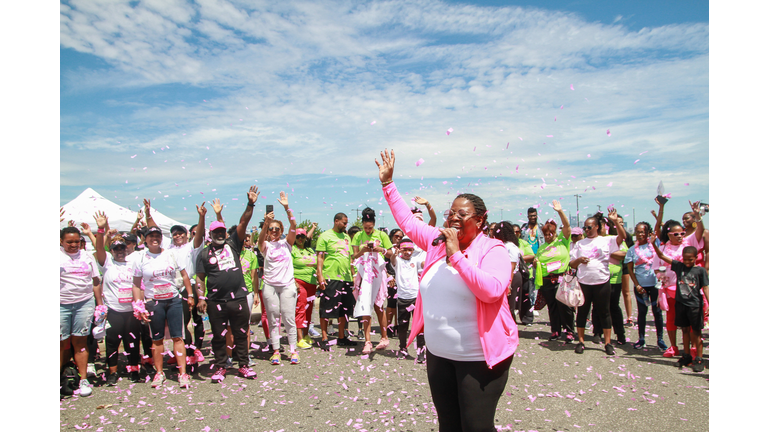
x: 598, y: 250
x: 76, y: 273
x: 118, y: 284
x: 514, y: 254
x: 407, y: 276
x: 278, y: 263
x: 186, y: 256
x: 450, y: 315
x: 158, y: 272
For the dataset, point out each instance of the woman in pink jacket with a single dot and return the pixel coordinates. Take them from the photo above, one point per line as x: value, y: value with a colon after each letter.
x: 469, y: 349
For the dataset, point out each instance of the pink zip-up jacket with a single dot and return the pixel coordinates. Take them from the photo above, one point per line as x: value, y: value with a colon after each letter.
x: 484, y: 266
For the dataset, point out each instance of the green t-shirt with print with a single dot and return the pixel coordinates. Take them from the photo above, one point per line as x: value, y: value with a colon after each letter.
x: 556, y: 256
x: 249, y: 261
x: 336, y: 247
x: 378, y: 237
x: 302, y: 258
x: 615, y: 269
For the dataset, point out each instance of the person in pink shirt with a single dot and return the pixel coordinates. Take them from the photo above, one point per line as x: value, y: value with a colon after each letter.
x: 469, y: 349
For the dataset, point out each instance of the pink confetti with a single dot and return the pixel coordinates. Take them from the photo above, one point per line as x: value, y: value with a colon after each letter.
x: 521, y: 138
x: 637, y: 161
x: 373, y: 122
x: 610, y: 184
x: 686, y: 184
x: 561, y: 106
x: 448, y: 132
x: 571, y: 86
x: 589, y: 155
x: 550, y: 136
x: 608, y: 132
x: 507, y: 145
x: 133, y: 156
x: 419, y: 162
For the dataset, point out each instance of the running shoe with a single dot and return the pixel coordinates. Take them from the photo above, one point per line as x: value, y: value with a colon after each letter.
x: 294, y: 358
x: 275, y: 359
x: 629, y: 323
x: 184, y: 380
x: 229, y: 363
x: 312, y: 332
x: 112, y: 379
x: 367, y: 348
x: 401, y: 354
x: 621, y: 340
x: 685, y: 360
x: 303, y: 344
x: 85, y: 388
x: 345, y: 342
x: 609, y: 350
x: 158, y: 380
x: 251, y: 362
x: 218, y: 376
x: 247, y: 372
x: 324, y: 345
x: 569, y: 338
x: 579, y: 348
x: 382, y: 344
x: 421, y: 356
x: 360, y: 334
x: 597, y: 340
x: 149, y: 367
x: 698, y: 365
x: 91, y: 370
x: 199, y: 356
x: 135, y: 376
x: 639, y: 344
x: 554, y: 336
x: 671, y: 351
x: 662, y: 346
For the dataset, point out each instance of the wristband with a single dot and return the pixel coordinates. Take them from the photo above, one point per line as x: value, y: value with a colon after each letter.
x: 100, y: 231
x: 251, y: 204
x: 386, y: 183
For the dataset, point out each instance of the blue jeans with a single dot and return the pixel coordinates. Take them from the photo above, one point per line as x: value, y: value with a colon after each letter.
x: 166, y: 311
x: 642, y: 311
x: 75, y: 318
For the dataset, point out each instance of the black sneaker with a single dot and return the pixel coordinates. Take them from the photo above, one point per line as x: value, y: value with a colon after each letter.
x: 685, y: 360
x: 324, y: 345
x: 554, y: 336
x: 135, y: 376
x: 621, y: 340
x: 609, y: 350
x: 421, y: 357
x: 698, y: 365
x: 360, y: 334
x: 579, y: 348
x: 597, y: 340
x: 112, y: 379
x: 345, y: 342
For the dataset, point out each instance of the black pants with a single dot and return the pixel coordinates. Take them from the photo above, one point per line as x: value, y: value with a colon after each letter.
x: 146, y: 340
x: 199, y: 330
x: 642, y: 311
x: 466, y: 393
x: 617, y: 317
x: 520, y: 299
x: 600, y: 295
x: 124, y: 327
x: 92, y: 345
x: 403, y: 320
x: 560, y: 315
x: 236, y: 314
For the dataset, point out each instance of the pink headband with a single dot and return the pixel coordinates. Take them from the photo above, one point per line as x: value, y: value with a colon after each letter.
x: 406, y: 245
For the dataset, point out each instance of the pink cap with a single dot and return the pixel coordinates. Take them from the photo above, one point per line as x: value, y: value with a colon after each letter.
x: 301, y: 231
x: 216, y: 225
x: 576, y: 231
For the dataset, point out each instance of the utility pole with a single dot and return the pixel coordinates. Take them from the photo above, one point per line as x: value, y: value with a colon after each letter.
x: 578, y: 222
x: 633, y: 217
x: 502, y: 214
x: 299, y: 218
x: 358, y: 212
x: 598, y: 208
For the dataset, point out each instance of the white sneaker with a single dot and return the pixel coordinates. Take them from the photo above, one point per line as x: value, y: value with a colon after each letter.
x: 85, y: 388
x: 312, y: 332
x: 535, y: 313
x: 91, y: 371
x: 229, y: 362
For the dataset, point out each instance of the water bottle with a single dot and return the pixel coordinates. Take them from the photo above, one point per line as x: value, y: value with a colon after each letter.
x: 646, y: 299
x: 206, y: 322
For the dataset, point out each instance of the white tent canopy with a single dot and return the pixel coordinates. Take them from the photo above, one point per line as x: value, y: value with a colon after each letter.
x: 82, y: 209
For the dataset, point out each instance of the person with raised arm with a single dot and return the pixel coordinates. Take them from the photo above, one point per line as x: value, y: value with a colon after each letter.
x: 279, y: 284
x: 590, y: 257
x: 304, y: 266
x: 226, y: 295
x: 461, y: 307
x: 432, y: 215
x: 642, y: 263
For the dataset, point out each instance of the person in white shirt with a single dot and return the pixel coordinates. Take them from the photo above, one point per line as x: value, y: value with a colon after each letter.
x: 407, y: 271
x: 590, y: 258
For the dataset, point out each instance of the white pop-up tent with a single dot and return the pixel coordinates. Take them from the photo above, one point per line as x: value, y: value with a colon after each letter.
x: 82, y: 209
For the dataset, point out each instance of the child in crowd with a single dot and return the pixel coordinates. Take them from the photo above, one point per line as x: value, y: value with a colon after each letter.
x: 407, y: 271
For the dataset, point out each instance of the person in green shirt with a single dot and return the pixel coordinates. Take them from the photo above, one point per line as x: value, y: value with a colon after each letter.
x: 334, y: 280
x: 304, y: 265
x: 250, y: 263
x: 372, y: 241
x: 528, y: 255
x: 552, y: 261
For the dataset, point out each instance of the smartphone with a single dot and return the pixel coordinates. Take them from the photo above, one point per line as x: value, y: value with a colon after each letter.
x: 661, y: 199
x: 270, y: 208
x: 703, y: 208
x: 370, y: 245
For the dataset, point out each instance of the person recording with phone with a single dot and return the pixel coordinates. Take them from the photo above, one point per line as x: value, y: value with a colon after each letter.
x: 461, y: 307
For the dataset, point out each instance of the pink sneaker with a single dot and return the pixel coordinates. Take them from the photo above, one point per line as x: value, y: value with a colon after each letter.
x: 158, y: 380
x: 247, y: 372
x: 382, y: 344
x: 671, y: 352
x: 184, y: 380
x: 199, y: 356
x: 218, y: 376
x: 367, y: 348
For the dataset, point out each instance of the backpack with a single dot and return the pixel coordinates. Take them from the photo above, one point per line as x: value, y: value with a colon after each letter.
x: 523, y: 269
x: 70, y: 379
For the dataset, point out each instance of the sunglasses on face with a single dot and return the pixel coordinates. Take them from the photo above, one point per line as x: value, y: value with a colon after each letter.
x: 463, y: 214
x: 273, y: 229
x: 676, y: 234
x: 588, y: 227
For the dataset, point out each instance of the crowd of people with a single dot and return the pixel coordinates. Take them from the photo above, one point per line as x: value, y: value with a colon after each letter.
x: 138, y: 289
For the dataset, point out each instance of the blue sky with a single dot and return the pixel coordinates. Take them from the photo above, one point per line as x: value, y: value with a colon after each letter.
x: 182, y: 102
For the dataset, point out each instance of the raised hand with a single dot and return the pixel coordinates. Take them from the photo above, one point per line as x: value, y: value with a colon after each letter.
x: 101, y: 220
x: 613, y: 216
x: 387, y: 165
x: 140, y: 215
x: 216, y: 204
x: 420, y: 200
x: 269, y: 217
x: 112, y: 232
x: 314, y: 225
x: 201, y: 210
x: 556, y: 206
x: 651, y: 237
x: 61, y: 214
x: 71, y: 223
x: 146, y: 205
x: 695, y: 207
x: 655, y: 216
x: 253, y: 195
x: 86, y: 229
x: 283, y: 199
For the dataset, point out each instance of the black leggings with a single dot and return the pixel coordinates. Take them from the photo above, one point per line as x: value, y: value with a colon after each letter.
x: 403, y: 320
x: 642, y: 311
x: 199, y: 330
x: 236, y: 314
x: 617, y: 317
x: 466, y: 393
x: 126, y: 328
x: 600, y: 295
x: 520, y: 299
x: 560, y: 315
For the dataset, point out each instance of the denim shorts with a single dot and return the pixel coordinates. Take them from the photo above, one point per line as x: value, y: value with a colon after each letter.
x: 75, y: 318
x: 166, y: 311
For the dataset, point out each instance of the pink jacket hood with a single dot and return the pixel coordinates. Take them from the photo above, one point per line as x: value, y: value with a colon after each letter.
x: 484, y: 266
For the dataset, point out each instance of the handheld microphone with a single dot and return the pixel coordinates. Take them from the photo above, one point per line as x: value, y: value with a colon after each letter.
x: 441, y: 238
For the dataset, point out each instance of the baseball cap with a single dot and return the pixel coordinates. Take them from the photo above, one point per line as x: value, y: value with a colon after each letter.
x: 301, y: 231
x: 577, y: 231
x: 177, y: 228
x: 216, y: 225
x: 153, y: 229
x: 116, y: 243
x: 130, y: 237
